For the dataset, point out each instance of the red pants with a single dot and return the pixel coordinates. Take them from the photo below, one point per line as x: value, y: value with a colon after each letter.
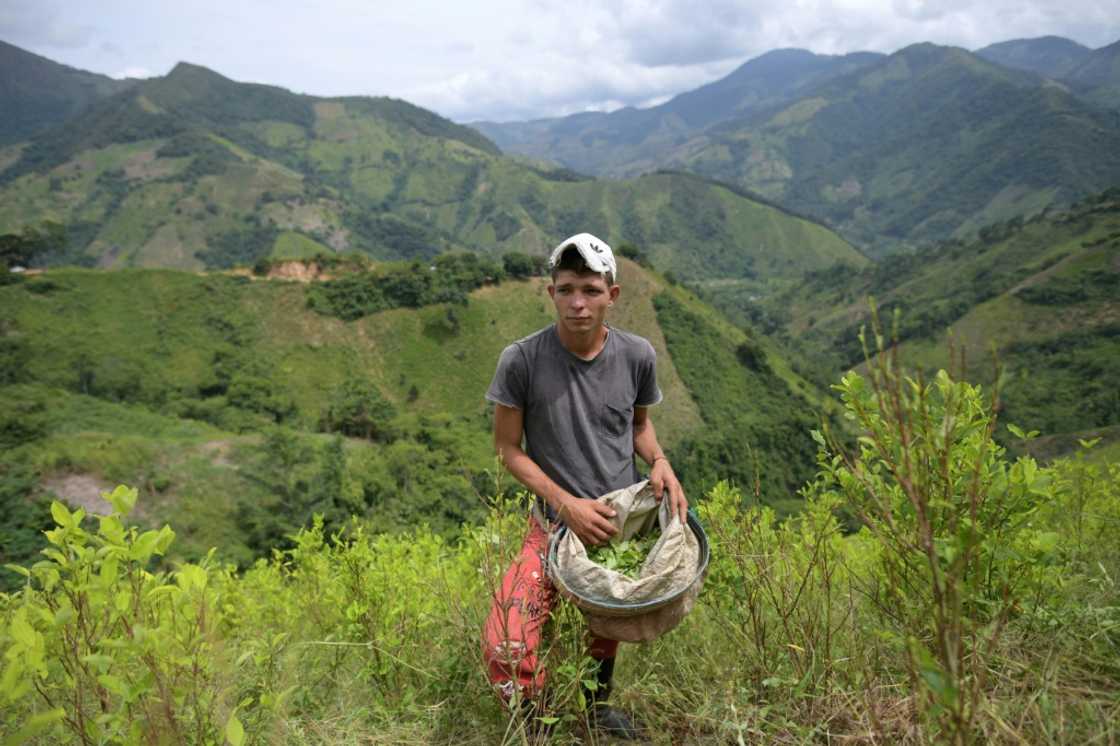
x: 512, y: 634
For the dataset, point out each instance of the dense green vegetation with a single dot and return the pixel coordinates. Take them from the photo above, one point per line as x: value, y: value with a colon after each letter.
x: 977, y: 601
x: 758, y: 443
x: 166, y: 380
x: 1041, y: 294
x: 448, y: 279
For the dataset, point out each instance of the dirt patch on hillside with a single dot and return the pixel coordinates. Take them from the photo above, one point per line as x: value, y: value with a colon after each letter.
x: 81, y: 491
x: 145, y: 165
x: 218, y: 451
x: 339, y: 239
x: 10, y: 155
x: 297, y: 271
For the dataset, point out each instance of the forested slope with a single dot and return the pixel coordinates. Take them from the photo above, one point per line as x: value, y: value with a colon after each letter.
x: 243, y: 405
x: 1040, y: 298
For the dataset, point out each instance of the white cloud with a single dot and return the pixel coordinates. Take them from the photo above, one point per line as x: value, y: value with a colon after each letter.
x: 505, y: 59
x: 42, y: 24
x: 133, y: 72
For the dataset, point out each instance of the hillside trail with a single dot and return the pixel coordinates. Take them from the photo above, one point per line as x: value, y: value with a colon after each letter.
x: 1042, y: 275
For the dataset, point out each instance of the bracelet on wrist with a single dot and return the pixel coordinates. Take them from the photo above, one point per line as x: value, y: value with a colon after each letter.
x: 656, y: 459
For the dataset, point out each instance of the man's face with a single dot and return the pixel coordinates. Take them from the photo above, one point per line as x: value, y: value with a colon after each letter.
x: 581, y: 300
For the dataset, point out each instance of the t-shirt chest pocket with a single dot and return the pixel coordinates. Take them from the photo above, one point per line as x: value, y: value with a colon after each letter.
x: 615, y: 419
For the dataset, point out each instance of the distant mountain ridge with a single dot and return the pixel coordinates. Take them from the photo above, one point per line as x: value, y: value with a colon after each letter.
x: 1094, y: 74
x: 38, y: 94
x: 627, y: 142
x: 1098, y: 76
x: 1049, y: 56
x: 196, y: 170
x: 896, y: 151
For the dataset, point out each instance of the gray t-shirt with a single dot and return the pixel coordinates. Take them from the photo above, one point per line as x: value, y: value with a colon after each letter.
x: 579, y: 414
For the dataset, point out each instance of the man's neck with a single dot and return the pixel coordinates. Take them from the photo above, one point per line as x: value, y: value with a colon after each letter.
x: 586, y: 346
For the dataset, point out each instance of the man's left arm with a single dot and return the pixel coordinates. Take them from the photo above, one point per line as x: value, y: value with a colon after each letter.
x: 661, y: 476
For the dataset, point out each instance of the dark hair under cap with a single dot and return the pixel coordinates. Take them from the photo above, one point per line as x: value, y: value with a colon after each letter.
x: 572, y: 260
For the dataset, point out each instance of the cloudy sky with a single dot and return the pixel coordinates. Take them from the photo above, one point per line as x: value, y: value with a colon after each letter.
x: 504, y: 59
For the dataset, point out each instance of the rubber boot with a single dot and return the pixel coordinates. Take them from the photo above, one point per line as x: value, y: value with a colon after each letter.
x: 603, y: 718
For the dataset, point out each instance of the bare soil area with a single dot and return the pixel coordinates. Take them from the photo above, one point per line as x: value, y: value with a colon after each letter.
x: 81, y: 491
x: 296, y: 270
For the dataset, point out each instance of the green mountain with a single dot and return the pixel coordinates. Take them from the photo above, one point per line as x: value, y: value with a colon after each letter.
x: 632, y: 141
x: 194, y: 170
x: 1098, y: 76
x: 243, y: 406
x: 926, y: 144
x: 1043, y: 295
x: 1049, y: 56
x: 929, y: 143
x: 37, y: 94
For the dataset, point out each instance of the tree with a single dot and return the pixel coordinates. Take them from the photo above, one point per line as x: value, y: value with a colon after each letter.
x: 358, y: 409
x: 521, y: 266
x: 20, y: 249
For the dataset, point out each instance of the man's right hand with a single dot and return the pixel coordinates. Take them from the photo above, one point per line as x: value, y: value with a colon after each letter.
x: 590, y: 519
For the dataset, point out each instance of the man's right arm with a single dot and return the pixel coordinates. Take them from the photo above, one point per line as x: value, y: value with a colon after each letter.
x: 588, y: 518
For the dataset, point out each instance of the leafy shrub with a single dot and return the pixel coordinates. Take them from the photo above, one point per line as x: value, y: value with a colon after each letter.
x: 21, y: 421
x: 23, y: 518
x: 258, y: 394
x: 14, y: 355
x: 111, y: 650
x: 337, y: 636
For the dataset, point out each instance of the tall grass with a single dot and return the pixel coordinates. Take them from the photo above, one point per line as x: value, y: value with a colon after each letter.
x: 975, y: 601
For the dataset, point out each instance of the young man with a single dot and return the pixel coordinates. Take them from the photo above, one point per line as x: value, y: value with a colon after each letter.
x: 571, y: 411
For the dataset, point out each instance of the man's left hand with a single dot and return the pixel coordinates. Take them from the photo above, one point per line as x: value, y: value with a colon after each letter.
x: 662, y: 479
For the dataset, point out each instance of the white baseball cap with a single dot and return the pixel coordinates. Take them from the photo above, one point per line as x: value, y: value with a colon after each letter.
x: 595, y: 251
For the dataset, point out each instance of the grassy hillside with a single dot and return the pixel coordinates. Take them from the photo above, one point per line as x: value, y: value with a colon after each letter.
x: 243, y: 410
x: 196, y: 171
x: 1045, y: 294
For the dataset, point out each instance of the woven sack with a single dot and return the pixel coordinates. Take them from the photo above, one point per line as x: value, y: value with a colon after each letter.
x: 639, y: 609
